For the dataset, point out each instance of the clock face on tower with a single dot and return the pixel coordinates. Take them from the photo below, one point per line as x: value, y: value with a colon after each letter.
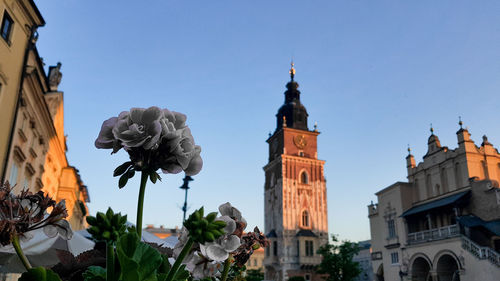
x: 300, y: 141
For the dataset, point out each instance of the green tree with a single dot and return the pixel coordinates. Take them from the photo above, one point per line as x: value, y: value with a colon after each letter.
x: 254, y: 275
x: 296, y: 278
x: 337, y: 260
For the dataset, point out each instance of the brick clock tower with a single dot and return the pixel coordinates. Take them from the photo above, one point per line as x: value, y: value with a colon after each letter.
x: 296, y: 219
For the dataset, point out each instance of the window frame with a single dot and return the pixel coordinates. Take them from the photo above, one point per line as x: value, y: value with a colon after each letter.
x: 6, y: 36
x: 391, y: 228
x: 394, y: 258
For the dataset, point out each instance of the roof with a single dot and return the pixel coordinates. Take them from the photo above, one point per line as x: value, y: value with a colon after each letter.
x: 305, y: 233
x: 449, y: 200
x: 271, y: 234
x: 473, y: 221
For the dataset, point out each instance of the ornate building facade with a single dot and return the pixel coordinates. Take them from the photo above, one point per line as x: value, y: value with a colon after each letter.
x: 444, y: 223
x: 19, y: 20
x: 35, y: 158
x: 295, y: 205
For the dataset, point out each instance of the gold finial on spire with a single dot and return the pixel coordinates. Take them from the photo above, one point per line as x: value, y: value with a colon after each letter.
x: 292, y: 70
x: 284, y: 121
x: 432, y: 130
x: 409, y: 149
x: 460, y: 122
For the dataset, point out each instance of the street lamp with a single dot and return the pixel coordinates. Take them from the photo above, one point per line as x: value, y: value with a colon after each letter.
x: 185, y: 186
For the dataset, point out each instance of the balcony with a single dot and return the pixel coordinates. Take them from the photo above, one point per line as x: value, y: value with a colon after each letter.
x: 481, y: 252
x: 433, y: 234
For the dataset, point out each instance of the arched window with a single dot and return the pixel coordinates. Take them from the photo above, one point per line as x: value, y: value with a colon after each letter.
x: 458, y: 176
x: 304, y: 177
x: 305, y: 219
x: 444, y: 180
x: 428, y: 185
x: 416, y: 191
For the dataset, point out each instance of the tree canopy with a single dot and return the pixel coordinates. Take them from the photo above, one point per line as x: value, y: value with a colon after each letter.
x: 337, y: 260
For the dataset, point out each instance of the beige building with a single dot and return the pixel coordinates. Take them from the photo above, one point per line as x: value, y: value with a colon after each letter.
x: 19, y: 20
x: 296, y: 221
x: 256, y: 261
x: 444, y: 223
x: 35, y: 158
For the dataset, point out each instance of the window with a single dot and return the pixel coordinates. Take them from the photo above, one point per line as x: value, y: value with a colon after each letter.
x: 428, y: 185
x: 394, y: 258
x: 6, y: 28
x: 309, y: 248
x: 392, y: 228
x: 304, y: 178
x: 255, y: 262
x: 275, y: 248
x: 26, y: 185
x: 13, y: 174
x: 305, y: 219
x: 307, y: 277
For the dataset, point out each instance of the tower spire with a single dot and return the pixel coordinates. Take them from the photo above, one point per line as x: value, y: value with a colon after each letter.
x: 292, y: 70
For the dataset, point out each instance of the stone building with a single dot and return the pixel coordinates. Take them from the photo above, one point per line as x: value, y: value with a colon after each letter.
x: 363, y: 258
x: 36, y: 155
x: 444, y: 223
x: 19, y: 20
x: 294, y: 194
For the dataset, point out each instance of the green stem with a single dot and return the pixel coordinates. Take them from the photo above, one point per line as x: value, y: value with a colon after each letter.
x: 227, y: 265
x: 19, y: 251
x: 180, y: 258
x: 110, y: 261
x: 140, y: 203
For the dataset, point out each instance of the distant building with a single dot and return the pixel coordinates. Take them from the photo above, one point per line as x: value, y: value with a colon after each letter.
x: 444, y: 223
x: 365, y: 261
x: 35, y: 158
x: 256, y: 261
x: 294, y: 194
x: 162, y: 232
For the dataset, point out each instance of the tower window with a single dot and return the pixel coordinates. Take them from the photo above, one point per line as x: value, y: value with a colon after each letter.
x: 275, y: 248
x: 309, y: 248
x: 6, y: 28
x: 304, y: 177
x: 305, y: 219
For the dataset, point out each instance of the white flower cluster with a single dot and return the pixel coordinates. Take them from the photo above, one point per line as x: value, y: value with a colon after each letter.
x: 160, y: 133
x: 206, y: 260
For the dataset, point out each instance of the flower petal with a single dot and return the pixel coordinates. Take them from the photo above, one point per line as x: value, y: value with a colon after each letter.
x: 230, y: 224
x: 217, y: 253
x: 231, y: 243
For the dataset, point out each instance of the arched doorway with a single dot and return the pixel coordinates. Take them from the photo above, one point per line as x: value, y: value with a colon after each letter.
x: 447, y: 268
x: 420, y: 270
x: 380, y: 273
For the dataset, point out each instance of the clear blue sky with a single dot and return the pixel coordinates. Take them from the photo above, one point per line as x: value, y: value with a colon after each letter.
x: 373, y: 74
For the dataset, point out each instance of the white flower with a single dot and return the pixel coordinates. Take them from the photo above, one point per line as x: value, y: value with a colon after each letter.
x: 140, y: 128
x: 220, y: 249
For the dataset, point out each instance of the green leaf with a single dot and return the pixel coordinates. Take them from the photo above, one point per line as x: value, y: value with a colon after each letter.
x: 39, y: 274
x: 122, y: 168
x: 94, y: 273
x: 123, y: 180
x: 138, y: 261
x: 153, y: 176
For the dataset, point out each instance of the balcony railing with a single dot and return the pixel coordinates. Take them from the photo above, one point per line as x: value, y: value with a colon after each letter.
x: 481, y: 253
x: 433, y: 234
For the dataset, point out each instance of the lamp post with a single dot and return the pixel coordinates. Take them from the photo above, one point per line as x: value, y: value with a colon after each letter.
x: 185, y: 186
